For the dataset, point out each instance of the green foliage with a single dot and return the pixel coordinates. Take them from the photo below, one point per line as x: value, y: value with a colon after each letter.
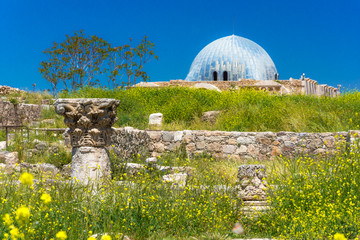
x: 313, y: 197
x: 83, y: 60
x: 29, y: 97
x: 242, y: 110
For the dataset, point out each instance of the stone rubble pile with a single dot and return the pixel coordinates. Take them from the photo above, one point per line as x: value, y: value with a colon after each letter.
x: 5, y: 90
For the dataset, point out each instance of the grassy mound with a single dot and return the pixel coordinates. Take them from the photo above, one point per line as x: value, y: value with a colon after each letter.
x: 243, y: 110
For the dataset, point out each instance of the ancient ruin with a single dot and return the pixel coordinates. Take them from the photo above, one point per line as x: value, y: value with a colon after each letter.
x: 89, y: 124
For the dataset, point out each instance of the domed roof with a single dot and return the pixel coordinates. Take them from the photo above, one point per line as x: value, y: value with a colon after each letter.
x: 232, y: 58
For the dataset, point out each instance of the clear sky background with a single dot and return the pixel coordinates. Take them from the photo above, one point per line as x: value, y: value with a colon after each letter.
x: 318, y: 37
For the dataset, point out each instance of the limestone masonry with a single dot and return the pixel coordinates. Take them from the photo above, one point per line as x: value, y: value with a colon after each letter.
x: 89, y: 122
x: 127, y: 142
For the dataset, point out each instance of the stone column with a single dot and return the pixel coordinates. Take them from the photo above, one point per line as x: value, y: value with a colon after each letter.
x: 251, y: 182
x: 89, y: 124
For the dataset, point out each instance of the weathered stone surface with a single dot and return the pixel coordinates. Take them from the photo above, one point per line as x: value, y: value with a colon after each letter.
x: 151, y: 160
x: 159, y: 147
x: 156, y: 119
x: 89, y: 122
x: 276, y: 151
x: 251, y: 183
x: 155, y: 135
x: 239, y: 145
x: 133, y: 168
x: 176, y: 178
x: 89, y: 164
x: 11, y: 158
x: 200, y: 145
x: 168, y: 136
x: 210, y: 116
x: 244, y: 140
x: 178, y: 135
x: 66, y: 170
x: 190, y: 147
x: 19, y: 113
x: 206, y: 86
x: 229, y: 149
x: 241, y: 150
x: 2, y: 145
x: 214, y: 147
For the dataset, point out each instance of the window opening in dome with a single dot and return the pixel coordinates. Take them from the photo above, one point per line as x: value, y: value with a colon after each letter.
x: 215, y: 77
x: 225, y: 75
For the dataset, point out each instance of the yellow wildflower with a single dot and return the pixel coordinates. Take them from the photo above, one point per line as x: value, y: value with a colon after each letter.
x: 46, y: 198
x: 91, y: 238
x: 106, y: 237
x: 27, y: 179
x: 14, y: 232
x: 339, y: 236
x: 7, y: 219
x: 61, y: 235
x: 22, y: 214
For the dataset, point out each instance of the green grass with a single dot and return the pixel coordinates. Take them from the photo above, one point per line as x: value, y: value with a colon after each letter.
x: 29, y: 97
x: 243, y: 110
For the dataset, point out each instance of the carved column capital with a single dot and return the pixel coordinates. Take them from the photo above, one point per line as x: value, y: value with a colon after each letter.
x: 89, y: 120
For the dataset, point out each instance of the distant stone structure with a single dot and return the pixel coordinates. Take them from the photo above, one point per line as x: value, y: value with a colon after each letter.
x: 5, y: 90
x: 235, y: 62
x: 19, y: 114
x: 291, y: 86
x: 89, y: 122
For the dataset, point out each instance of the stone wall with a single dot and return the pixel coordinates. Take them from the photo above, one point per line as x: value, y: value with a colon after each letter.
x: 5, y: 90
x: 238, y: 145
x: 18, y: 114
x: 291, y: 86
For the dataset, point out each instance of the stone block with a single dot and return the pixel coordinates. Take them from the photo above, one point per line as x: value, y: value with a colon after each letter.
x: 329, y: 142
x: 229, y: 149
x: 214, y: 147
x: 244, y: 140
x: 276, y: 151
x: 155, y: 135
x: 241, y: 150
x: 2, y: 145
x: 11, y: 158
x: 200, y: 145
x: 178, y: 136
x: 190, y: 147
x: 167, y: 136
x: 210, y: 116
x: 156, y: 119
x: 159, y: 147
x: 232, y: 141
x: 264, y: 140
x: 177, y: 178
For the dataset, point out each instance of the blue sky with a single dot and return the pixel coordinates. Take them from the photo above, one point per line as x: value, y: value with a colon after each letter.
x: 318, y: 37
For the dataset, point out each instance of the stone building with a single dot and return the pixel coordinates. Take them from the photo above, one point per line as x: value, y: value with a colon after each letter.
x: 235, y: 62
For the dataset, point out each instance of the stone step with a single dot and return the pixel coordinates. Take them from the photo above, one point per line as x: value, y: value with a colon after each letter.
x: 255, y: 203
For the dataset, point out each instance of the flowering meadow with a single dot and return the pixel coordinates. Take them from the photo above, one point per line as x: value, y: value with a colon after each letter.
x: 310, y: 197
x: 139, y: 206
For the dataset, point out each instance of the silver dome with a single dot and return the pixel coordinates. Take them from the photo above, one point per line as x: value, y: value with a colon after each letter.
x: 232, y: 58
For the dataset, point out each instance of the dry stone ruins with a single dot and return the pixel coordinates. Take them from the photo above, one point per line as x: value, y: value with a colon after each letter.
x: 89, y: 122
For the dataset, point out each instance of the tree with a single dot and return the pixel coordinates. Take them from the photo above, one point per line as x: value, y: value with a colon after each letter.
x: 84, y: 60
x: 129, y: 61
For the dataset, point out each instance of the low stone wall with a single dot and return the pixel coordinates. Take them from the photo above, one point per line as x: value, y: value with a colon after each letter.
x: 18, y: 114
x: 5, y: 90
x: 239, y: 145
x: 292, y: 86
